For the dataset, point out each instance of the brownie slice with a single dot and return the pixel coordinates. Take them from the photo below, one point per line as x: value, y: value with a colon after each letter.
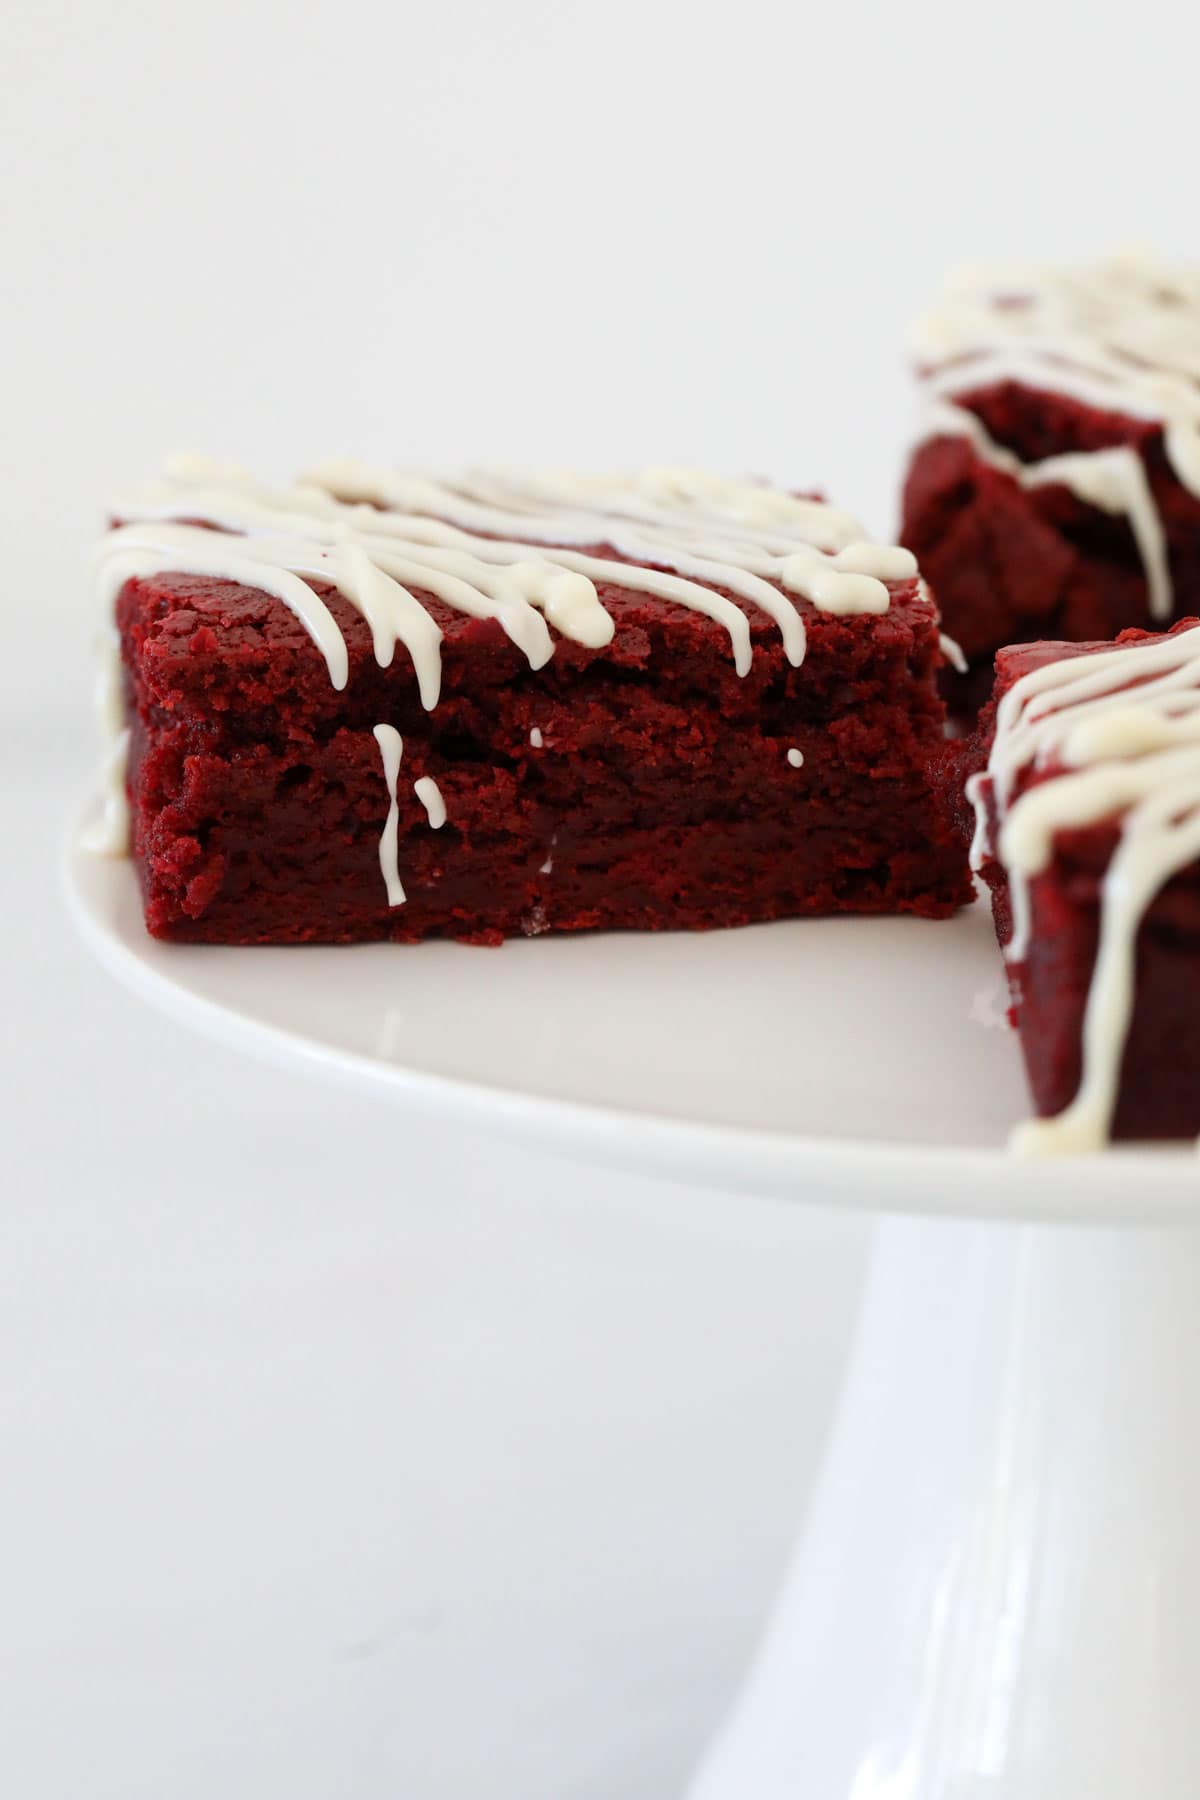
x: 1090, y: 844
x: 640, y: 782
x: 1055, y: 489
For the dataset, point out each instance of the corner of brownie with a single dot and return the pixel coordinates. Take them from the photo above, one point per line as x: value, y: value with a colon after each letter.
x: 1054, y: 491
x: 1089, y: 839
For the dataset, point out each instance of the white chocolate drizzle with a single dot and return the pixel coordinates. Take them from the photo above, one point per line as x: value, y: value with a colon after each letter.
x: 109, y: 836
x: 504, y: 547
x: 953, y: 652
x: 1123, y: 339
x: 391, y: 749
x: 430, y: 795
x: 1113, y: 480
x: 1124, y: 727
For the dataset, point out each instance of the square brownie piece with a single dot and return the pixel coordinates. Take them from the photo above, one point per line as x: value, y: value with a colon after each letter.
x: 1089, y: 838
x: 375, y: 706
x: 1055, y: 489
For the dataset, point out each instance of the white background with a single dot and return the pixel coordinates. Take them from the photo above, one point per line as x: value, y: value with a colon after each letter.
x: 343, y: 1459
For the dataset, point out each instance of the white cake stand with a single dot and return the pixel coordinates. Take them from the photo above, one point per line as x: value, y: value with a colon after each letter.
x: 996, y: 1593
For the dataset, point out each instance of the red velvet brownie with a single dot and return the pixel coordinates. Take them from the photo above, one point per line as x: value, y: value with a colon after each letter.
x: 1089, y: 838
x: 378, y: 706
x: 1055, y: 492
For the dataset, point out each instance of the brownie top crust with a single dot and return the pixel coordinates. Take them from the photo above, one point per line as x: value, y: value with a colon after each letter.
x: 530, y: 552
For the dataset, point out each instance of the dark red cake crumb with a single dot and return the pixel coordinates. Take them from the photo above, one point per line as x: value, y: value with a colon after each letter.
x: 661, y: 796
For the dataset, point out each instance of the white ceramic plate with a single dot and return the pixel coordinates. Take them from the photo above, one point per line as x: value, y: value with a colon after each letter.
x: 849, y: 1059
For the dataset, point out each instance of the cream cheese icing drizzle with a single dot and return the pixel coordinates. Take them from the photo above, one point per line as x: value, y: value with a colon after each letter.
x: 1123, y: 338
x: 1112, y: 479
x: 952, y: 651
x: 1124, y: 725
x: 109, y: 836
x: 430, y: 795
x: 517, y: 549
x: 391, y: 750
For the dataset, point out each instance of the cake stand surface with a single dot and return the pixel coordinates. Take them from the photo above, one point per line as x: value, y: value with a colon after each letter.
x: 996, y: 1591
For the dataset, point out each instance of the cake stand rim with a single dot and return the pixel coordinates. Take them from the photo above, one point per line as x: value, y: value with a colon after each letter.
x: 1131, y: 1186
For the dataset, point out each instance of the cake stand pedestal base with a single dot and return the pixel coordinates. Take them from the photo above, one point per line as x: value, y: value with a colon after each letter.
x: 996, y: 1595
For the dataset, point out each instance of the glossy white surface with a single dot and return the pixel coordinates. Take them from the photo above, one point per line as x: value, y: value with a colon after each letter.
x: 997, y: 1587
x: 853, y: 1059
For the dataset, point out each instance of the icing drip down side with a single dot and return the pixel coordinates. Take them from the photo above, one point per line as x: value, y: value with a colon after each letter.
x: 1123, y: 338
x: 430, y: 795
x: 391, y: 751
x: 1123, y: 727
x: 1113, y: 480
x: 109, y: 836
